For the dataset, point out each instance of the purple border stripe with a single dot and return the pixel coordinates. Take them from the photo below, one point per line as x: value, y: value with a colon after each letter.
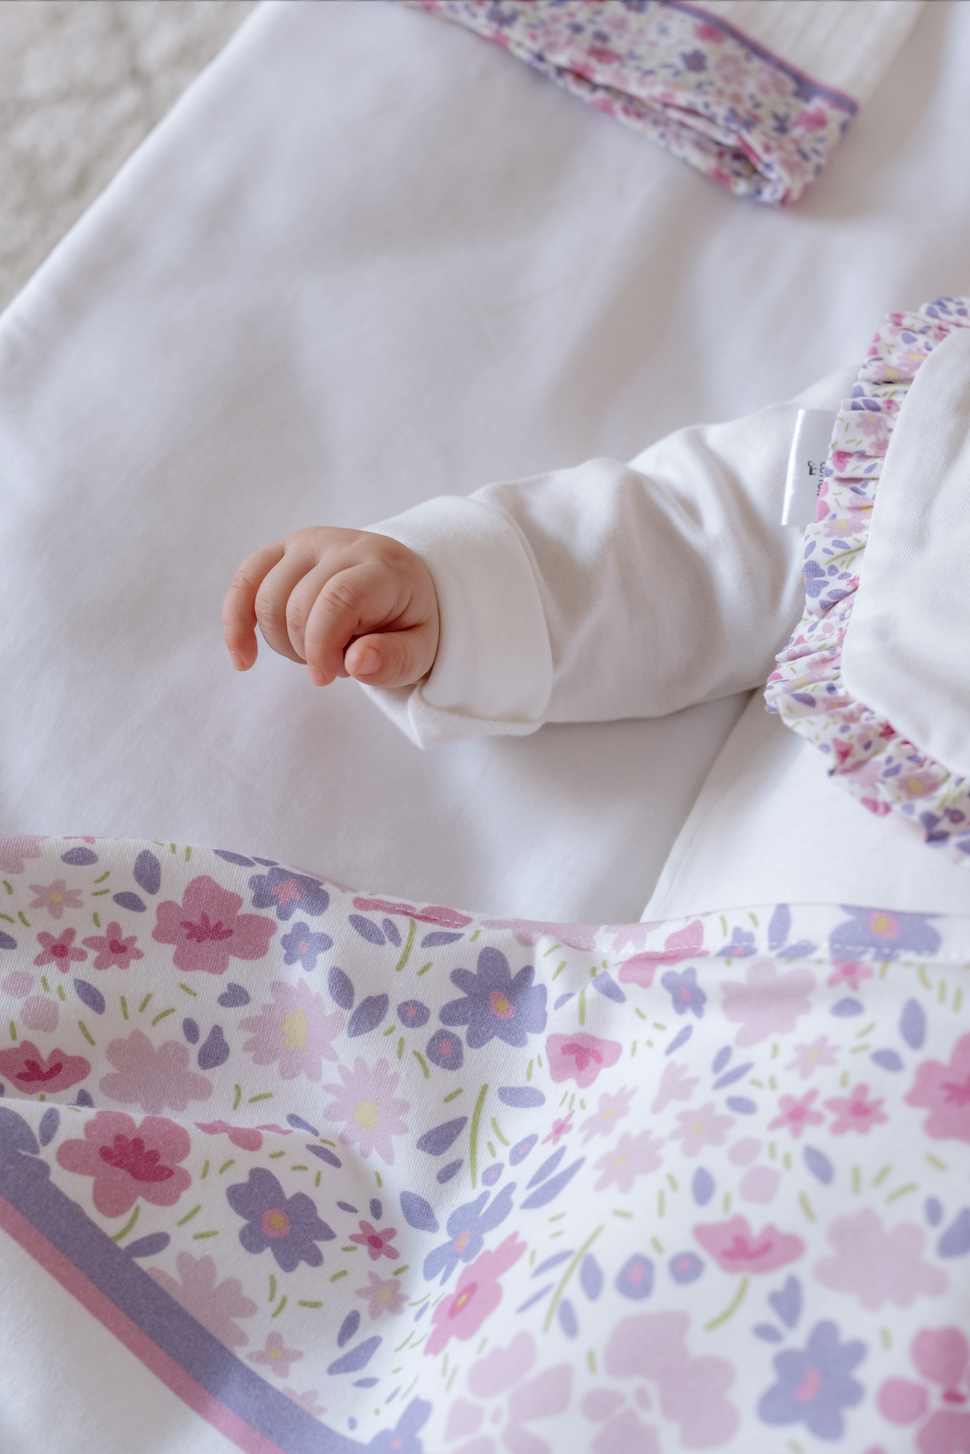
x: 25, y: 1183
x: 807, y: 87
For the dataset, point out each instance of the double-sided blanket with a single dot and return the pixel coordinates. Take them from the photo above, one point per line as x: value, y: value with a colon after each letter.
x: 352, y: 1173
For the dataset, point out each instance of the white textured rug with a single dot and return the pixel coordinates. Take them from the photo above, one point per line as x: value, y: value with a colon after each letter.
x: 82, y: 82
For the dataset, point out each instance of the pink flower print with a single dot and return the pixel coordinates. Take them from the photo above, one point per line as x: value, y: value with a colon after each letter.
x: 580, y: 1057
x: 878, y: 1265
x: 15, y: 847
x: 559, y: 1129
x: 814, y: 119
x: 378, y: 1244
x: 206, y: 928
x: 494, y: 1376
x: 850, y: 972
x: 247, y: 1138
x: 215, y: 1305
x: 632, y: 1156
x: 736, y: 1248
x: 691, y: 1391
x: 113, y: 949
x: 33, y: 1074
x: 701, y: 1127
x: 295, y: 1029
x: 40, y: 1013
x: 855, y: 1112
x: 370, y: 1112
x: 941, y: 1356
x: 686, y: 943
x: 17, y: 983
x: 812, y: 1057
x: 430, y: 914
x: 129, y: 1160
x: 55, y: 897
x: 768, y: 1003
x: 308, y: 1400
x: 478, y: 1293
x: 613, y: 1107
x: 276, y: 1354
x: 945, y: 1092
x: 60, y: 951
x: 796, y: 1113
x: 156, y: 1080
x: 383, y: 1295
x: 675, y: 1085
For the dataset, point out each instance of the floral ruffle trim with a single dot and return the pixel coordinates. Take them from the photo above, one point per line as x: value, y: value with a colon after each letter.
x: 686, y: 79
x: 868, y: 756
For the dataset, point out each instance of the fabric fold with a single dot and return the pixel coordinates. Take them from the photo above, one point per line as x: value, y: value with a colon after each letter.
x: 755, y: 96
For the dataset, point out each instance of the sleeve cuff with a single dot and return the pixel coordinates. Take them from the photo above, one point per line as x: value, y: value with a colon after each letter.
x: 493, y: 671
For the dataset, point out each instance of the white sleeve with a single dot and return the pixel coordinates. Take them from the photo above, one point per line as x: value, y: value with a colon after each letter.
x: 610, y: 590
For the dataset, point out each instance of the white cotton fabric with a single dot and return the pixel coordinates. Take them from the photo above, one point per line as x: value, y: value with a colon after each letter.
x: 609, y: 590
x: 906, y: 653
x: 843, y: 43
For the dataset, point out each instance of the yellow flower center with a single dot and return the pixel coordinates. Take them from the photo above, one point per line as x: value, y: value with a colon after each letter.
x: 813, y: 1055
x: 881, y: 924
x: 619, y: 1159
x: 275, y: 1352
x: 914, y: 785
x: 367, y: 1115
x: 696, y: 1128
x: 609, y: 1114
x: 385, y: 1295
x: 294, y: 1028
x: 277, y: 1221
x: 55, y: 897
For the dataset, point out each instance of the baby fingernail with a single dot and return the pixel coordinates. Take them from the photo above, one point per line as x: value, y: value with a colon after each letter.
x: 368, y: 662
x: 316, y: 677
x: 236, y: 660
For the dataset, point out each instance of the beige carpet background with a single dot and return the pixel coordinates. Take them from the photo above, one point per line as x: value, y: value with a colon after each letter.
x: 82, y: 82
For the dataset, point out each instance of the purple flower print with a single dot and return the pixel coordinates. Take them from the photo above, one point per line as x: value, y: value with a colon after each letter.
x: 304, y: 947
x: 287, y: 893
x: 207, y: 928
x: 413, y: 1014
x: 740, y: 945
x: 294, y: 1029
x: 288, y: 1226
x: 367, y: 1106
x: 467, y: 1227
x: 883, y: 932
x: 495, y: 1004
x: 445, y: 1050
x: 685, y: 992
x: 55, y: 897
x: 814, y: 1386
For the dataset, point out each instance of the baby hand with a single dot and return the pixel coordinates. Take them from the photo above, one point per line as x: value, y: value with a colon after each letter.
x: 346, y: 602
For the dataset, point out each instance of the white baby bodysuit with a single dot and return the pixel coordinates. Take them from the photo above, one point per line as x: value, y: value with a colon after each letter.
x: 611, y: 590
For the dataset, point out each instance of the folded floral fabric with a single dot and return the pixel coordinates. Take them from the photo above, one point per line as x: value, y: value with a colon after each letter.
x: 873, y: 757
x: 349, y: 1173
x: 755, y: 95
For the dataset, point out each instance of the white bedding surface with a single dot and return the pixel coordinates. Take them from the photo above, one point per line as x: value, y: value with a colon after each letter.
x: 369, y: 259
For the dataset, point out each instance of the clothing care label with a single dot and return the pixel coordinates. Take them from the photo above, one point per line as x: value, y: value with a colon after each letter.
x: 809, y: 449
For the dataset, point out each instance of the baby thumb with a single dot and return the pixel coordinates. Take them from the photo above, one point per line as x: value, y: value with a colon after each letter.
x: 390, y: 658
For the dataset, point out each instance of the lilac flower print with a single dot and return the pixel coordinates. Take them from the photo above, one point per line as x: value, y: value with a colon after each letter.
x: 496, y: 1005
x: 368, y: 1108
x: 740, y: 945
x: 613, y: 1107
x: 304, y: 947
x: 294, y: 1029
x: 288, y: 893
x: 685, y: 993
x: 815, y: 1385
x: 55, y: 897
x: 632, y: 1156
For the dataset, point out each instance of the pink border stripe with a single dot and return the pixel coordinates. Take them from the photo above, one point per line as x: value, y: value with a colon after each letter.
x: 243, y: 1435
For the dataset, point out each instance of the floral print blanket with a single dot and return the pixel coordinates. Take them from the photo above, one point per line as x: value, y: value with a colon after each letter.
x: 350, y: 1173
x: 680, y: 75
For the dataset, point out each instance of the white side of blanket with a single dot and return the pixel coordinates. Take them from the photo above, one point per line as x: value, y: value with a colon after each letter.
x: 843, y: 43
x: 905, y: 652
x: 609, y: 590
